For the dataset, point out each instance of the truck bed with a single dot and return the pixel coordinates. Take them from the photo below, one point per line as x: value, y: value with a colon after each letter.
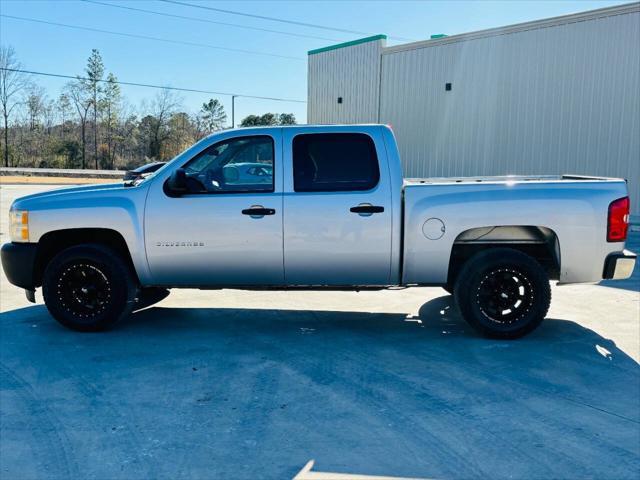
x: 438, y: 212
x: 507, y: 179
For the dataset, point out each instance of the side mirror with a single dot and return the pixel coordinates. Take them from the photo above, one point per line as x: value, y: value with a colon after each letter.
x: 230, y: 174
x: 176, y: 184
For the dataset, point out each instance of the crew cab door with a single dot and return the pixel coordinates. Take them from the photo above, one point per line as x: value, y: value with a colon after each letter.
x: 227, y: 229
x: 337, y: 220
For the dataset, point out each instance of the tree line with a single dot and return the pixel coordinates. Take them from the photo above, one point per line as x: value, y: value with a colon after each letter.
x: 90, y: 124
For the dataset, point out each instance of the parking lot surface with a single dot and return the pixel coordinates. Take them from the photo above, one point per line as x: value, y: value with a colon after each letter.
x: 230, y: 384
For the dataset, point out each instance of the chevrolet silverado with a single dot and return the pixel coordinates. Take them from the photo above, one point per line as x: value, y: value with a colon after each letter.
x: 316, y: 207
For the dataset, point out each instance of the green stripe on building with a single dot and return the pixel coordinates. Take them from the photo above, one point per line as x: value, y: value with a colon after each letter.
x: 347, y: 44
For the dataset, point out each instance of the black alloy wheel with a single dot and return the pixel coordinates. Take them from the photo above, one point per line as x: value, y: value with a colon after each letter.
x: 89, y: 287
x: 84, y: 290
x: 503, y: 293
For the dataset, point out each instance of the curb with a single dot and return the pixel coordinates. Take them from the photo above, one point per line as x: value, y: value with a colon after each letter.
x: 61, y: 172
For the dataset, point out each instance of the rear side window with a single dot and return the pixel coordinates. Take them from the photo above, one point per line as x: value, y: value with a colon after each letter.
x: 333, y: 162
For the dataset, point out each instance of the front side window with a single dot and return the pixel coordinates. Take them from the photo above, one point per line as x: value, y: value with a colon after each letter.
x: 331, y: 162
x: 242, y: 164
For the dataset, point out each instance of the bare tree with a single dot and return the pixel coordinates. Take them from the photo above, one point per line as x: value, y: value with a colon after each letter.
x: 12, y: 84
x: 163, y: 106
x: 127, y: 135
x: 64, y: 107
x: 82, y: 103
x: 49, y: 115
x: 35, y: 105
x: 183, y: 131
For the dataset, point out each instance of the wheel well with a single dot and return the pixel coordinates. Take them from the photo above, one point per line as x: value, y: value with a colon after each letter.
x: 540, y: 243
x: 52, y: 243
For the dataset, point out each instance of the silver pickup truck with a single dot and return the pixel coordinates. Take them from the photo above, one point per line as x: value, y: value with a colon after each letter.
x: 316, y: 207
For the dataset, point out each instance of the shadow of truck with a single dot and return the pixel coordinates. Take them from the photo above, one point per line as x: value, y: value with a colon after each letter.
x: 252, y: 393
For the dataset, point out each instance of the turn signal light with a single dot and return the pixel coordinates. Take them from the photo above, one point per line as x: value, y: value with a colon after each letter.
x: 19, y: 225
x: 618, y: 220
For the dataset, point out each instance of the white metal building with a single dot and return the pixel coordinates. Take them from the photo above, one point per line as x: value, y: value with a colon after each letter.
x: 560, y: 95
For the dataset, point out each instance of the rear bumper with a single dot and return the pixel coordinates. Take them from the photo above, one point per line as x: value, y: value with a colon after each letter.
x: 619, y: 265
x: 18, y: 261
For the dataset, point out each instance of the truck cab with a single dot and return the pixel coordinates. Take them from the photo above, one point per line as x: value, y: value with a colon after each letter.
x: 328, y: 203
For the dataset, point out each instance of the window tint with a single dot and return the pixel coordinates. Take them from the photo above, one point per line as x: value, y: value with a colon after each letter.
x: 329, y: 162
x: 243, y: 164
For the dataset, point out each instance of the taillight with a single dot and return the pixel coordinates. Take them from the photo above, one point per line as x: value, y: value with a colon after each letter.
x: 618, y: 220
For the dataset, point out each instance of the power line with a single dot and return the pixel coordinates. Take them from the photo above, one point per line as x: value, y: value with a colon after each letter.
x: 155, y: 39
x: 205, y: 20
x: 148, y: 85
x: 274, y: 19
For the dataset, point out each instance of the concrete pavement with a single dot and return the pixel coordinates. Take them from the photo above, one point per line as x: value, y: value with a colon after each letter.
x: 230, y: 384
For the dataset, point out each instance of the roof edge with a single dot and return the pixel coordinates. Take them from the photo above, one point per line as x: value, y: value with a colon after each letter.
x: 622, y: 9
x: 373, y: 38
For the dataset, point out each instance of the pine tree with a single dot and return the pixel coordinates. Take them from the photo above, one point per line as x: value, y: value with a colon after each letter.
x: 213, y: 115
x: 111, y: 99
x: 94, y: 72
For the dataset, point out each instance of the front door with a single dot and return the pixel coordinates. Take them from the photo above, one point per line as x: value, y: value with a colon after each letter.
x: 227, y: 230
x: 337, y: 222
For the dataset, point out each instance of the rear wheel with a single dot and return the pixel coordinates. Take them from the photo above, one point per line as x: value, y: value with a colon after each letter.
x: 503, y: 293
x: 88, y: 288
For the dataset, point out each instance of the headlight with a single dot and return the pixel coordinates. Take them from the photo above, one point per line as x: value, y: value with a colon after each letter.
x: 19, y: 225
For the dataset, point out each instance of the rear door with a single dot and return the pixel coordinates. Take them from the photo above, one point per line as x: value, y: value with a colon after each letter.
x: 337, y: 220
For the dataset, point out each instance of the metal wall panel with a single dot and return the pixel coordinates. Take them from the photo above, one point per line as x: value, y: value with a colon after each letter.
x: 352, y: 73
x: 559, y: 95
x: 559, y: 99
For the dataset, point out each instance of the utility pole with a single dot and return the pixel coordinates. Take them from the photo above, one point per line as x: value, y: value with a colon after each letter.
x: 233, y: 111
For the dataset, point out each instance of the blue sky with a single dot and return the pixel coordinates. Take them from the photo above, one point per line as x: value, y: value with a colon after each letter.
x: 60, y: 50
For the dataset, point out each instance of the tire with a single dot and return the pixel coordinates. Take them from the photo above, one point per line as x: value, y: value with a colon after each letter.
x: 503, y: 293
x: 88, y: 288
x: 148, y: 296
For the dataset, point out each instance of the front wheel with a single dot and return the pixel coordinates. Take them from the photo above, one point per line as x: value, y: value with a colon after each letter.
x: 503, y: 293
x: 88, y: 288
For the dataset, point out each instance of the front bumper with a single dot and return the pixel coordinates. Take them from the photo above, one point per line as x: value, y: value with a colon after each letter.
x: 18, y: 262
x: 619, y: 265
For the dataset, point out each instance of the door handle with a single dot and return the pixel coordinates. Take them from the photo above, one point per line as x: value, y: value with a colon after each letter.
x: 258, y: 211
x: 367, y: 209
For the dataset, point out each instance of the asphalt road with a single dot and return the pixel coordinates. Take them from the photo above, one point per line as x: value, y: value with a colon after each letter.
x: 252, y: 385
